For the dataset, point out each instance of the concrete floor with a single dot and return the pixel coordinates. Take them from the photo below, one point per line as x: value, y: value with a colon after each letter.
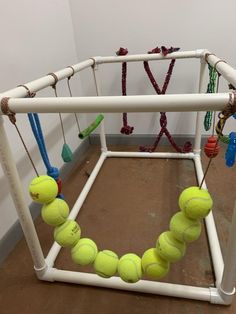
x: 129, y: 205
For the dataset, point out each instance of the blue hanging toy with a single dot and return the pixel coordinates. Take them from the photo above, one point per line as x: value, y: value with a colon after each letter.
x: 231, y: 150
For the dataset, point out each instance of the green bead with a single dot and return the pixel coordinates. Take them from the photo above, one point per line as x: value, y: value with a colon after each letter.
x: 66, y: 153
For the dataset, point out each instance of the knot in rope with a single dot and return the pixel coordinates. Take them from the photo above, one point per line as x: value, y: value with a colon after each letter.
x: 53, y: 172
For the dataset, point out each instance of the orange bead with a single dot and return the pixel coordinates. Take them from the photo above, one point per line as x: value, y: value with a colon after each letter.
x: 211, y: 149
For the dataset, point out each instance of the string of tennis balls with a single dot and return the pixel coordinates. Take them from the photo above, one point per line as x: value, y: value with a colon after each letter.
x: 185, y: 227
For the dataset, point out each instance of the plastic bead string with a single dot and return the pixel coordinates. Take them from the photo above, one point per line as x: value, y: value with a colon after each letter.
x: 126, y: 129
x: 66, y: 153
x: 12, y: 117
x: 211, y: 88
x: 69, y: 88
x: 161, y: 91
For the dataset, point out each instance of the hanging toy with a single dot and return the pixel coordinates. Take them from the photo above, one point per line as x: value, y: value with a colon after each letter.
x: 83, y: 134
x: 211, y: 148
x: 210, y: 89
x: 126, y: 129
x: 66, y: 153
x: 231, y: 150
x: 161, y: 91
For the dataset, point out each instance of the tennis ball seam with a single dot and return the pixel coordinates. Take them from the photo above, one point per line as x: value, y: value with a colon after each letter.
x: 182, y: 233
x: 107, y: 253
x: 41, y: 181
x: 195, y: 199
x: 169, y: 242
x: 82, y: 245
x: 154, y: 264
x: 133, y: 262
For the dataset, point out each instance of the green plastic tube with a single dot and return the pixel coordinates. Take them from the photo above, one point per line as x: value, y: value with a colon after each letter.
x: 92, y: 127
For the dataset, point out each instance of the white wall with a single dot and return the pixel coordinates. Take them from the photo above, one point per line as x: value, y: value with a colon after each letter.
x: 37, y: 38
x: 101, y: 27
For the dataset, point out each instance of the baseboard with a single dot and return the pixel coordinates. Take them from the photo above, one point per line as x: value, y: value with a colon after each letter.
x: 141, y: 139
x: 15, y: 233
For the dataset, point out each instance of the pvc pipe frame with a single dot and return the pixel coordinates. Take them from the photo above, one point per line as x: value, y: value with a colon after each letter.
x: 224, y: 290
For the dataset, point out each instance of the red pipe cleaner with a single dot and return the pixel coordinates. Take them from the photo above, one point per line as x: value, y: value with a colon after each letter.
x: 163, y: 119
x: 126, y: 129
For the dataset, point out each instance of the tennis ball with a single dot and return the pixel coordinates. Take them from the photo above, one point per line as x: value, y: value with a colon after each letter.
x: 84, y: 252
x: 169, y: 248
x: 105, y: 263
x: 154, y: 266
x: 130, y: 268
x: 184, y: 228
x: 43, y: 189
x: 67, y: 234
x: 55, y: 213
x: 195, y: 203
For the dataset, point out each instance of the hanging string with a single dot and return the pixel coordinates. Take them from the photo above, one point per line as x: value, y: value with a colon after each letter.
x: 55, y: 91
x: 11, y: 115
x: 69, y: 88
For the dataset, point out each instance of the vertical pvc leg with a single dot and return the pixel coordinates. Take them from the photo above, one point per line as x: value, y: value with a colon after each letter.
x: 201, y: 89
x: 10, y: 171
x: 102, y: 125
x: 227, y: 286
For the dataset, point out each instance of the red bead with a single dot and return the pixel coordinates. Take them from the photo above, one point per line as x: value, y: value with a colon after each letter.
x: 59, y: 184
x: 211, y: 149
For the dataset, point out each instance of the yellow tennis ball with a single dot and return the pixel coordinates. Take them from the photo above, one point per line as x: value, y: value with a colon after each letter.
x: 55, y: 213
x: 195, y: 203
x: 67, y: 234
x: 130, y: 268
x: 154, y: 266
x: 105, y: 263
x: 184, y: 228
x: 84, y: 252
x: 43, y: 189
x: 169, y: 248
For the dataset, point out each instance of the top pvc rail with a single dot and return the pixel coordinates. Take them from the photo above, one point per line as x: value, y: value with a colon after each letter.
x: 150, y: 57
x: 223, y: 68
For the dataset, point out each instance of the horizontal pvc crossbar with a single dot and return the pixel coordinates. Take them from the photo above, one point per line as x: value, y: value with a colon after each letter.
x: 147, y: 103
x: 149, y: 57
x: 48, y: 80
x: 150, y: 155
x: 228, y: 72
x: 144, y: 286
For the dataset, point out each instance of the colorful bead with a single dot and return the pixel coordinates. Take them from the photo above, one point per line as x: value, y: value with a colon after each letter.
x: 211, y: 148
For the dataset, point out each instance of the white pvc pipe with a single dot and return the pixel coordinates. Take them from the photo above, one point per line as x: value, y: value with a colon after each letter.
x: 150, y: 155
x: 149, y: 57
x: 198, y: 126
x: 213, y: 239
x: 15, y: 185
x: 144, y: 286
x: 55, y: 249
x: 48, y: 80
x: 147, y: 103
x: 229, y: 274
x: 99, y: 93
x: 223, y: 68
